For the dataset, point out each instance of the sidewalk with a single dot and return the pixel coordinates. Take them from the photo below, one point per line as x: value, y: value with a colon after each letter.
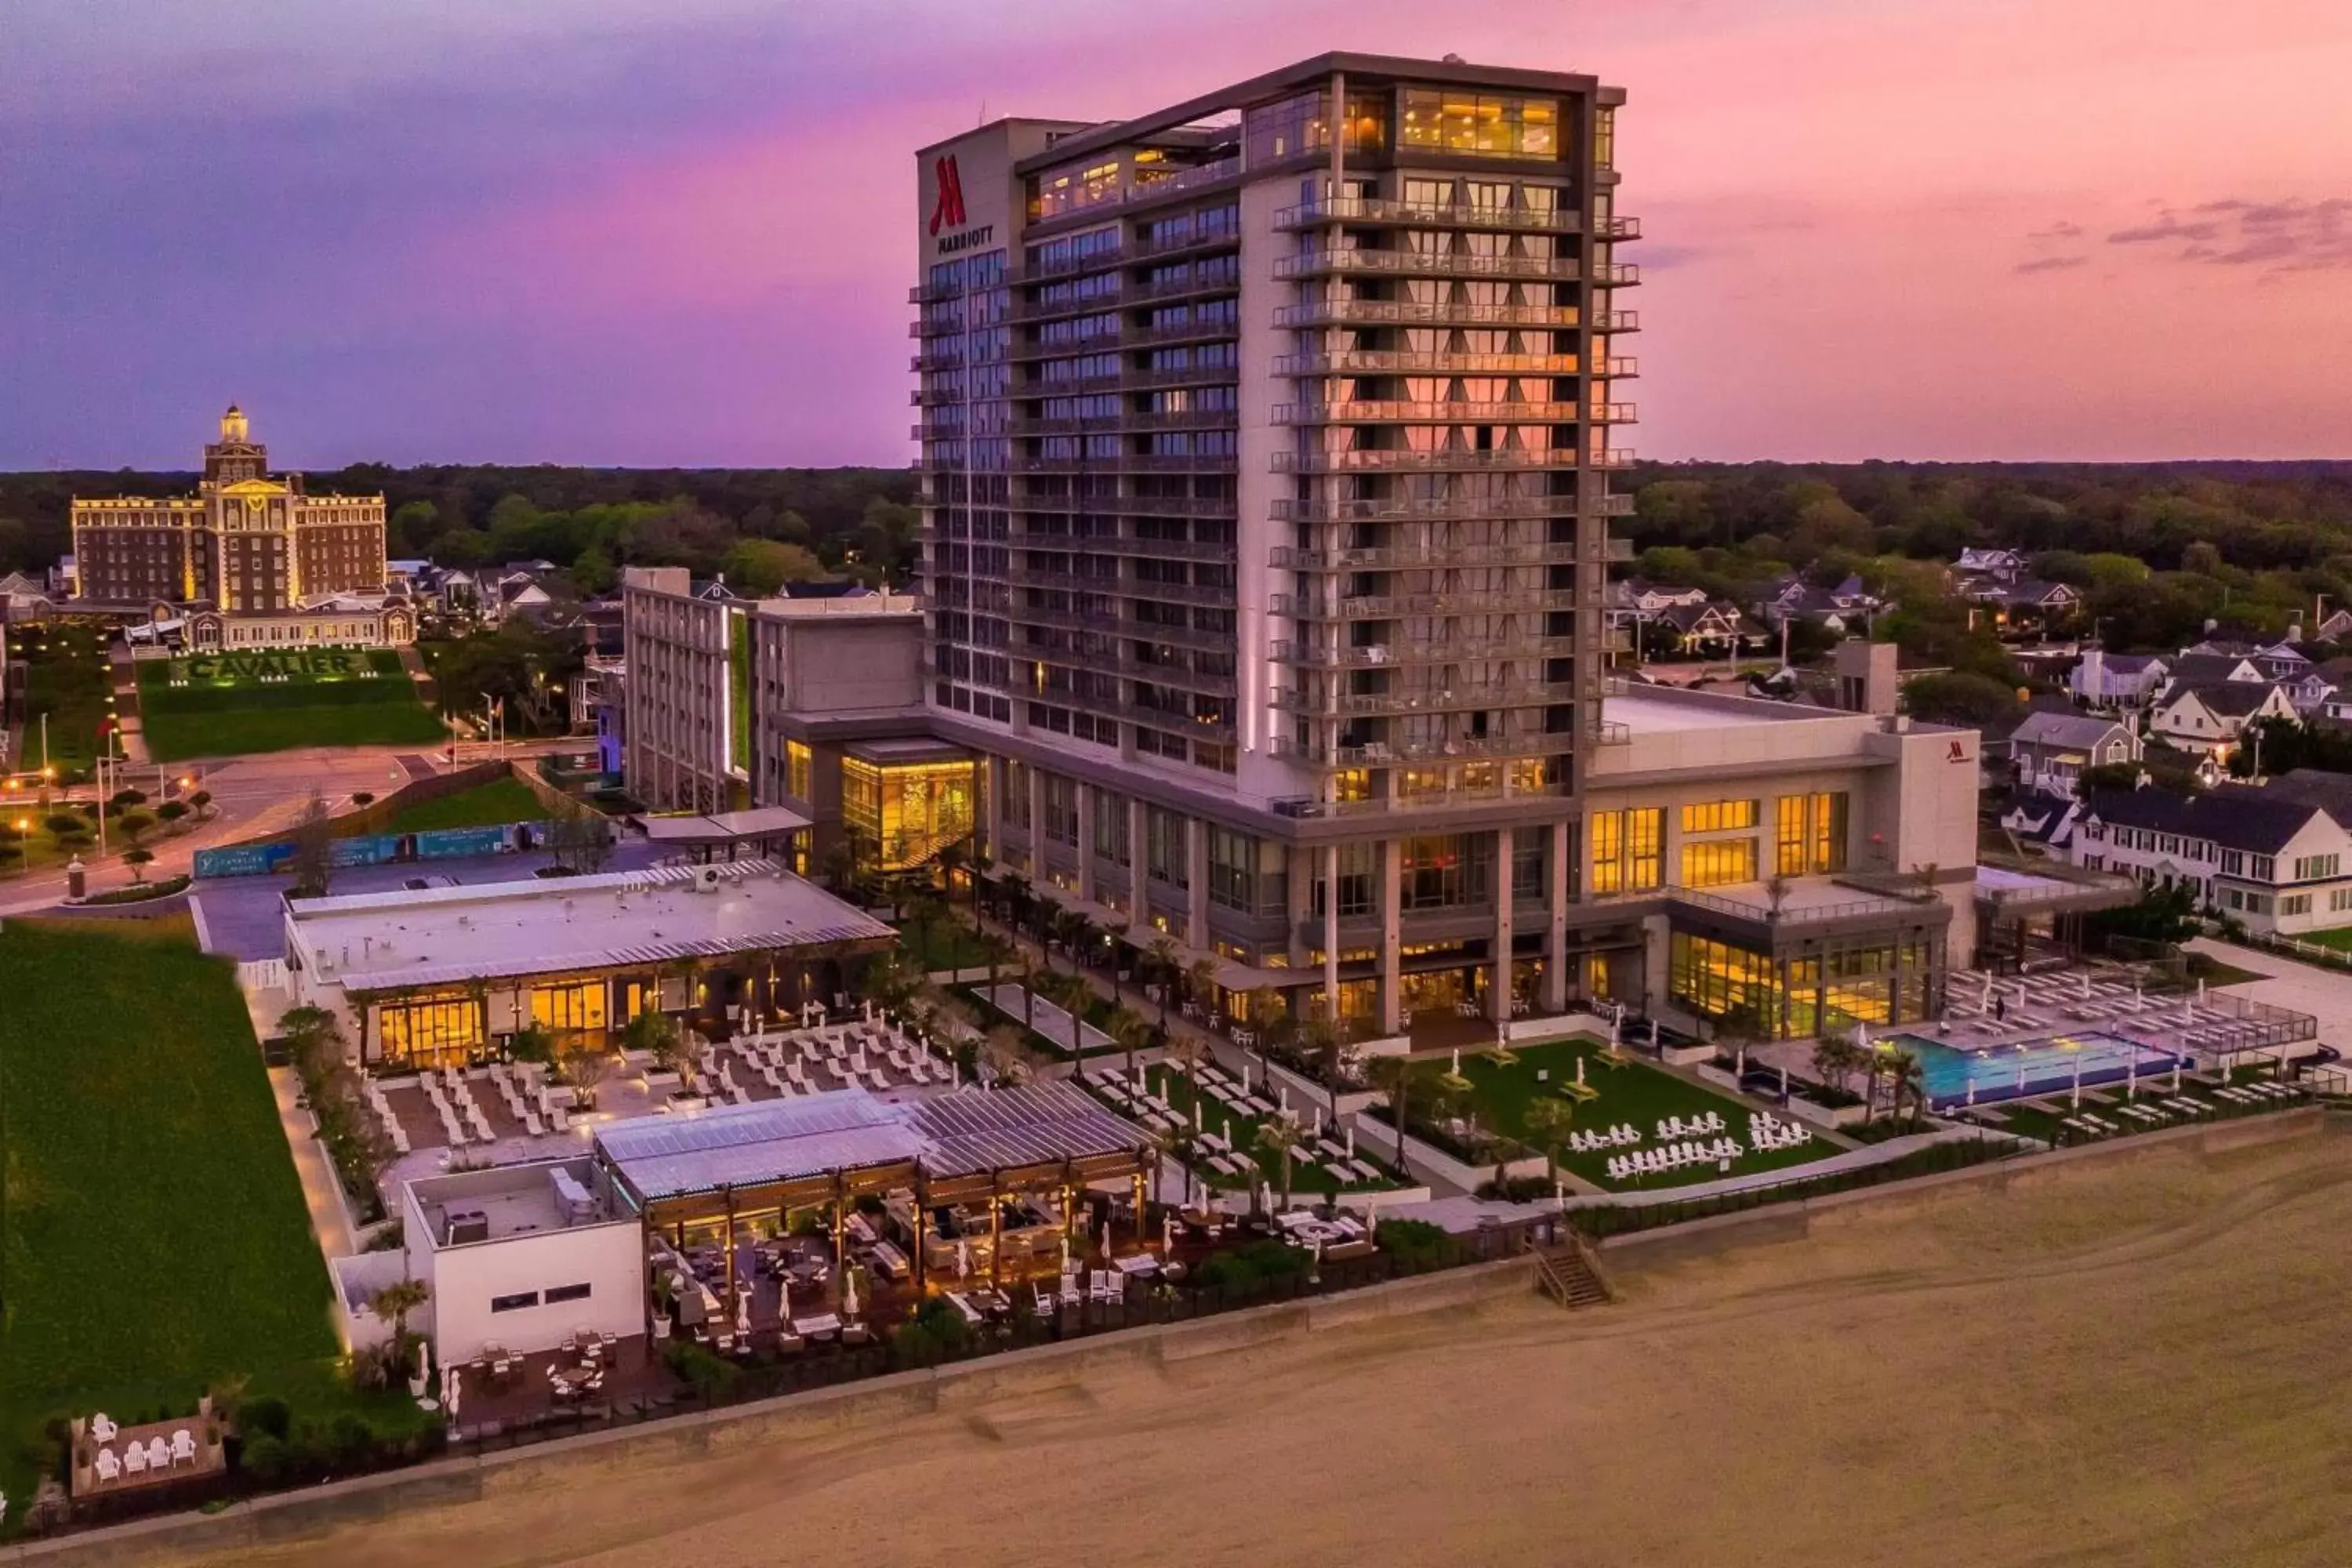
x: 2289, y: 982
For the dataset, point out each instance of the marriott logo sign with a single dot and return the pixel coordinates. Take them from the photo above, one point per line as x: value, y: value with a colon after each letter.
x: 947, y: 211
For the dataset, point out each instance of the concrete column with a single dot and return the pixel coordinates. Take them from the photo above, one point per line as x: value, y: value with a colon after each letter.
x: 1555, y: 982
x: 1086, y: 840
x: 1391, y: 936
x: 1139, y: 872
x: 1331, y: 933
x: 993, y: 807
x: 1196, y: 883
x: 1499, y: 997
x: 1037, y: 825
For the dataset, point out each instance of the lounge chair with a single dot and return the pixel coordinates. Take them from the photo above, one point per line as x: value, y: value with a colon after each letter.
x: 134, y: 1458
x: 107, y: 1467
x: 184, y: 1446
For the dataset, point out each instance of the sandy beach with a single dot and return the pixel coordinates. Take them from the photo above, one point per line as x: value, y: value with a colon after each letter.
x: 2138, y: 1360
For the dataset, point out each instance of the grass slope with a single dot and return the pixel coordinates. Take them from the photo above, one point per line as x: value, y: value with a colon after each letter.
x: 154, y: 1236
x: 219, y: 714
x: 492, y: 805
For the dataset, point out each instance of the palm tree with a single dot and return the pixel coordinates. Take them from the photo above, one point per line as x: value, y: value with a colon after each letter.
x: 1548, y: 1122
x: 394, y: 1302
x: 1130, y: 1032
x: 1910, y: 1079
x: 951, y: 858
x: 1071, y: 992
x: 1006, y: 1056
x: 1164, y: 968
x: 1321, y: 1038
x: 1280, y: 1135
x: 1834, y: 1060
x: 1201, y: 980
x: 1029, y: 983
x: 1394, y: 1076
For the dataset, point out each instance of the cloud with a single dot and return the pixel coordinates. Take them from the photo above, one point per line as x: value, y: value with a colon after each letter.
x: 2166, y: 228
x: 2052, y: 263
x: 2275, y: 237
x: 2062, y: 229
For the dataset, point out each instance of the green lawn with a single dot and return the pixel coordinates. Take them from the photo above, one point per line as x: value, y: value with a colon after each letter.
x: 2339, y: 938
x: 492, y: 805
x: 1632, y: 1092
x: 67, y: 678
x: 233, y: 704
x: 944, y: 945
x: 153, y: 1240
x: 1305, y: 1176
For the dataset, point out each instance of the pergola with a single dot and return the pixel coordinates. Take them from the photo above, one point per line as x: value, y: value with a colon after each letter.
x: 763, y: 830
x: 827, y: 1151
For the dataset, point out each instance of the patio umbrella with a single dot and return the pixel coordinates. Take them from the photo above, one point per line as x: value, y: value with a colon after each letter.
x: 963, y: 1257
x: 1285, y: 1100
x: 2078, y: 1080
x: 1579, y: 1072
x: 449, y: 1393
x: 1972, y: 1088
x: 1066, y: 1252
x: 1458, y: 1061
x: 849, y: 1293
x: 2200, y: 990
x: 1614, y: 1022
x: 1740, y: 1067
x: 783, y: 1297
x: 2021, y: 1073
x: 1228, y: 1134
x: 1196, y: 1113
x: 1653, y: 1033
x: 2086, y: 986
x: 743, y: 1310
x: 2176, y: 1075
x: 1351, y: 1141
x: 424, y: 1378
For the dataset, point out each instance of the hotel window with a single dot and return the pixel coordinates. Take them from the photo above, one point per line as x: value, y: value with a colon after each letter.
x: 514, y: 1303
x: 1163, y: 841
x: 1626, y: 849
x: 430, y: 1034
x: 1527, y: 864
x: 1444, y: 872
x: 579, y: 1005
x: 1809, y: 833
x: 1486, y: 125
x: 1110, y: 828
x: 561, y: 1293
x: 1233, y: 872
x: 1359, y: 881
x: 799, y: 771
x: 1016, y: 795
x: 1061, y: 810
x: 1718, y: 862
x: 1718, y: 817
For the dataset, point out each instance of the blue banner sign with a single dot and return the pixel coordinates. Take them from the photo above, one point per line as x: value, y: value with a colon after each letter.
x: 379, y: 849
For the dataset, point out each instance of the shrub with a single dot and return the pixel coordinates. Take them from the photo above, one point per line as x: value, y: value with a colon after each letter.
x: 935, y: 1333
x: 266, y: 1415
x: 350, y: 1439
x: 266, y: 1458
x: 709, y: 1373
x: 1253, y: 1266
x: 1413, y: 1243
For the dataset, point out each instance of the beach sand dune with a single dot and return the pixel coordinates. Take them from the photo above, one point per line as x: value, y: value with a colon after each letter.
x: 2137, y: 1361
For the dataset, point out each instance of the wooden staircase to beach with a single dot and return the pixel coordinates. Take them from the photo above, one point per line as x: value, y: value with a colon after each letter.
x: 1568, y: 1273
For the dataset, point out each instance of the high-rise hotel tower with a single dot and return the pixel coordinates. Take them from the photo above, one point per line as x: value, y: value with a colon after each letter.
x: 1265, y: 442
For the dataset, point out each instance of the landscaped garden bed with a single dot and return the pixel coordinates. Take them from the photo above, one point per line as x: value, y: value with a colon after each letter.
x: 231, y: 704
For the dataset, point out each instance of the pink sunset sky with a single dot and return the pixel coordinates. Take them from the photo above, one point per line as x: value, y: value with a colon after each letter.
x: 681, y: 231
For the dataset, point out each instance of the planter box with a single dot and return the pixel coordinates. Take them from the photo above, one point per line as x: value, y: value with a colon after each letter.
x: 1820, y: 1115
x: 1686, y: 1055
x: 656, y: 1083
x: 1564, y: 1026
x: 1306, y: 1094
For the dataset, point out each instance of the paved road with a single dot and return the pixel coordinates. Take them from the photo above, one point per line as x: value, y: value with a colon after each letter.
x: 251, y: 795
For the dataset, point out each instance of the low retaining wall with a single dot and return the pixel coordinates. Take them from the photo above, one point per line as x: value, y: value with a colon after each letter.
x: 292, y: 1517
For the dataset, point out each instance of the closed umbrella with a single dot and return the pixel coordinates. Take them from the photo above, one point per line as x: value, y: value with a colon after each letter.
x: 849, y: 1292
x: 1168, y: 1232
x: 743, y: 1310
x: 1105, y: 1241
x: 1579, y: 1072
x: 783, y: 1298
x: 424, y: 1378
x: 1351, y: 1141
x: 449, y: 1390
x: 963, y: 1257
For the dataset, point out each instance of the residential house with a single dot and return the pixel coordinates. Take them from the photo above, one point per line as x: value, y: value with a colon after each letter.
x: 2107, y: 680
x: 2273, y: 661
x: 1638, y: 598
x: 2000, y: 566
x: 1845, y: 609
x: 2031, y: 606
x: 25, y: 596
x: 1707, y: 629
x: 2051, y: 750
x: 2213, y: 719
x: 2335, y: 628
x: 2039, y: 820
x: 2277, y: 864
x: 2195, y: 668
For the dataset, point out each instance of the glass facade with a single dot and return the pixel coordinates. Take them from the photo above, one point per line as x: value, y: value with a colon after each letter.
x: 899, y: 815
x: 1481, y: 124
x: 1628, y: 849
x: 431, y: 1032
x: 1718, y: 862
x: 1809, y: 833
x: 1801, y: 997
x: 578, y: 1005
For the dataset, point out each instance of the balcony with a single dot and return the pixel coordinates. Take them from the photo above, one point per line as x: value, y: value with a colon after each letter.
x: 1620, y: 228
x: 1132, y: 506
x: 1385, y: 753
x: 1389, y: 413
x: 1286, y: 509
x: 1305, y: 656
x: 1283, y: 558
x: 1118, y: 626
x: 1617, y: 275
x: 1614, y: 458
x: 1408, y: 313
x: 1126, y: 419
x: 1216, y: 596
x: 1420, y: 800
x: 1615, y: 322
x: 1142, y: 714
x: 1129, y: 462
x: 1412, y: 362
x: 1025, y: 272
x: 1388, y: 606
x: 1020, y: 310
x: 937, y: 359
x: 1425, y: 263
x: 1120, y: 544
x: 1422, y: 215
x: 1390, y: 459
x: 1352, y: 704
x: 1619, y: 367
x: 1168, y: 183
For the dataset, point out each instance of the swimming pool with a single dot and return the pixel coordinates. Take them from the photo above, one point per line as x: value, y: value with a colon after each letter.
x: 2031, y: 1066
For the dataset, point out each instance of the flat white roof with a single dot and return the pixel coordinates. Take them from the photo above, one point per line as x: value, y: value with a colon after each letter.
x: 398, y: 940
x: 1654, y: 710
x: 725, y: 826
